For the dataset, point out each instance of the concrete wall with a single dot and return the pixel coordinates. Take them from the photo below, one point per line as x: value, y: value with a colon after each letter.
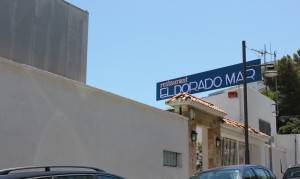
x: 279, y: 161
x: 259, y: 107
x: 257, y: 154
x: 47, y: 120
x: 232, y: 106
x: 291, y: 143
x: 47, y: 34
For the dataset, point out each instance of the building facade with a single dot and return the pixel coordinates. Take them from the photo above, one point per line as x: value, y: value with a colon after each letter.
x: 47, y: 119
x: 261, y: 109
x: 221, y: 139
x: 58, y: 121
x: 261, y: 116
x: 47, y: 34
x: 49, y: 116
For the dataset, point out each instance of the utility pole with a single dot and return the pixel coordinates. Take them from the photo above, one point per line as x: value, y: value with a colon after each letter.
x: 247, y: 157
x: 263, y: 53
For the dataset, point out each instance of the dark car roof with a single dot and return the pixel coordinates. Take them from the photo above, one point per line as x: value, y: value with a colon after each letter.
x: 289, y: 169
x: 294, y: 166
x: 16, y: 174
x: 42, y: 174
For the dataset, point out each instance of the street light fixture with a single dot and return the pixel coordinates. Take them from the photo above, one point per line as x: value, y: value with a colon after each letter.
x: 194, y: 136
x: 218, y: 141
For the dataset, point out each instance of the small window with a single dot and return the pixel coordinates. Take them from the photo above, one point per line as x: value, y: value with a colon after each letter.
x: 264, y: 127
x: 171, y: 159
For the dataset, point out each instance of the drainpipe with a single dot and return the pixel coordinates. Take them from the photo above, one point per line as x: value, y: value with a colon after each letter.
x: 296, y: 162
x: 271, y: 155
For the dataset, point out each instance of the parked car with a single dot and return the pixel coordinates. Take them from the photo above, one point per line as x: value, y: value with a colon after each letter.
x: 292, y: 172
x: 237, y: 172
x: 56, y: 172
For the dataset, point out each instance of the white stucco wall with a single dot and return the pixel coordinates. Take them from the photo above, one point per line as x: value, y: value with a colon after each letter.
x: 232, y: 106
x: 49, y: 120
x: 279, y: 162
x: 290, y: 143
x: 259, y: 107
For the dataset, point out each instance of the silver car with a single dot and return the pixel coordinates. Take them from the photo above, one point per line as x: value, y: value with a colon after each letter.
x: 237, y: 172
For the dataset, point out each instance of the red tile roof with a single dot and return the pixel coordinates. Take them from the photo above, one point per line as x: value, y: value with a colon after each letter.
x: 236, y: 124
x: 229, y: 122
x: 187, y: 96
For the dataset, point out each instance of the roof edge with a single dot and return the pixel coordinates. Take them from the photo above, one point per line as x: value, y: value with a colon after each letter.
x: 91, y: 88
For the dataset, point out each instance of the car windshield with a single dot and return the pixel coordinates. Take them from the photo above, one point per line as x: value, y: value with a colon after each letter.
x: 224, y: 174
x: 293, y: 173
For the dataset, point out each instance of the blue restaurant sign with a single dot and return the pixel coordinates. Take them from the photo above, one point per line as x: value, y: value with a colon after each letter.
x: 209, y: 80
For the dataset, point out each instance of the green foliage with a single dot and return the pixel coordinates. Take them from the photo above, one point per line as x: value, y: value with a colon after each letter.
x: 289, y: 86
x: 291, y: 127
x: 270, y: 94
x: 199, y: 147
x: 288, y: 90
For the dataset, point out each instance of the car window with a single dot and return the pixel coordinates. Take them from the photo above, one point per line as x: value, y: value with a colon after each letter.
x: 224, y: 174
x: 292, y: 173
x: 270, y: 174
x: 75, y: 177
x: 249, y: 174
x: 261, y: 174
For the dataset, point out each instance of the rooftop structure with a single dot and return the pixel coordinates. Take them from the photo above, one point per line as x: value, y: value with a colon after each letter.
x: 50, y: 35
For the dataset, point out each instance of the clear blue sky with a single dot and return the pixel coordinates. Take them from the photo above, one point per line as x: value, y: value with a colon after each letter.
x: 133, y: 44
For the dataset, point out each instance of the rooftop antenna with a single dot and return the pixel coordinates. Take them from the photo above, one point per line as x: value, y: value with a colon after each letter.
x: 264, y: 53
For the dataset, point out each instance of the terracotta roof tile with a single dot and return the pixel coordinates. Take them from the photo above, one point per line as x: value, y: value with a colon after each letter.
x: 229, y: 122
x: 187, y: 96
x: 236, y: 124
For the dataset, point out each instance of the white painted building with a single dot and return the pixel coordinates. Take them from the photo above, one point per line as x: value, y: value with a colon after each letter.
x: 232, y: 133
x: 261, y: 109
x: 221, y: 139
x: 47, y: 119
x: 291, y: 144
x: 261, y: 116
